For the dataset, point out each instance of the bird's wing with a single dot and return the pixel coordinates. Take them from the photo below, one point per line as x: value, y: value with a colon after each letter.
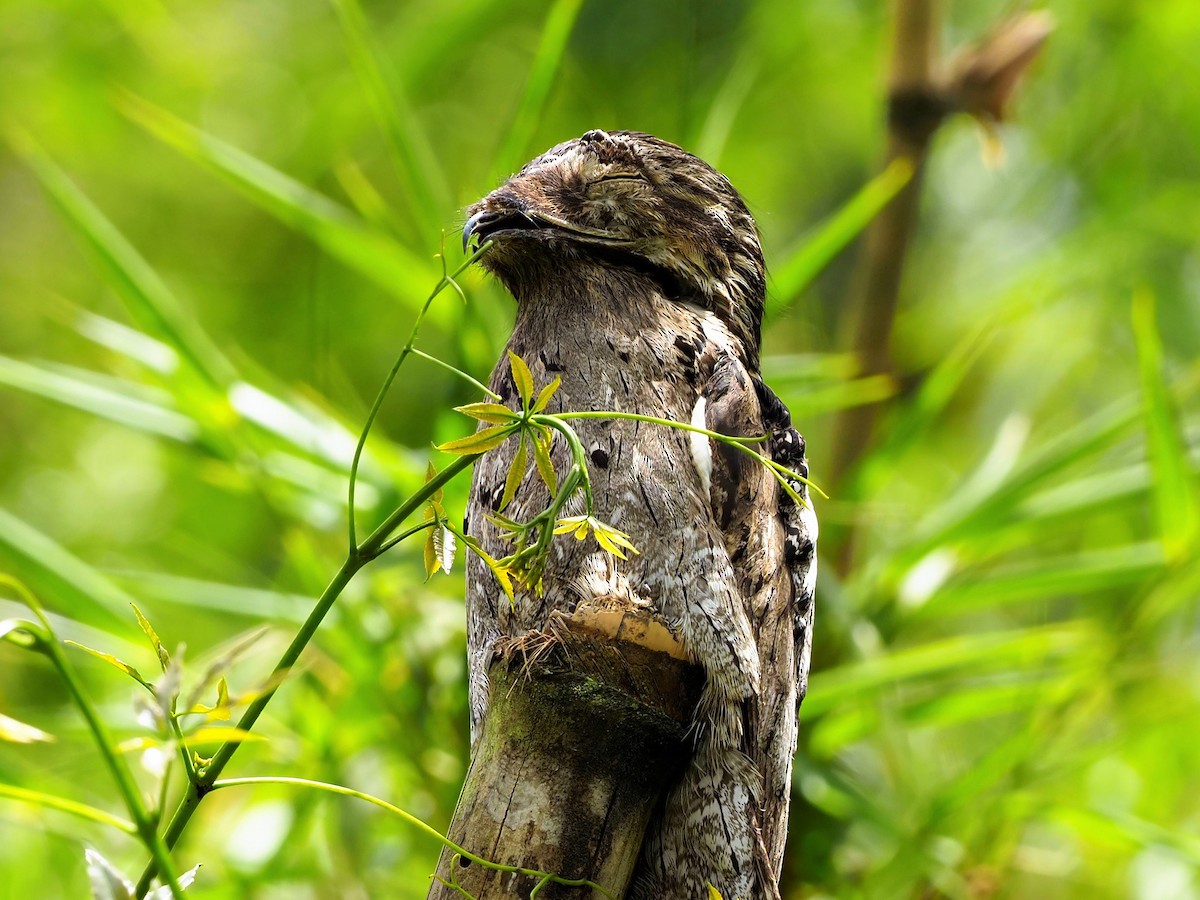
x: 771, y: 541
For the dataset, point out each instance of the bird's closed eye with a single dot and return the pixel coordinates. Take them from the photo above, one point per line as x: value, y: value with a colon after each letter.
x: 619, y: 176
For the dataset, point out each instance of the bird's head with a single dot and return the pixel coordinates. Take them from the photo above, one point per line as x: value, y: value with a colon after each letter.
x: 632, y: 202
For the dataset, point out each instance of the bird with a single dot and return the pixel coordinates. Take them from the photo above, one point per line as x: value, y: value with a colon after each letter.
x: 640, y: 283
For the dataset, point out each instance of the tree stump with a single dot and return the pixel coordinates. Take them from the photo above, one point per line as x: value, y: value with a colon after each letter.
x: 586, y: 730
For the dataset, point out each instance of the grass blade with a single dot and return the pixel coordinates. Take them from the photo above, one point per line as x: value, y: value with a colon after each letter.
x: 121, y: 406
x: 1024, y: 648
x: 53, y: 571
x: 551, y: 48
x: 816, y: 252
x: 417, y: 166
x: 1082, y: 573
x: 1176, y: 499
x: 334, y: 228
x: 146, y: 295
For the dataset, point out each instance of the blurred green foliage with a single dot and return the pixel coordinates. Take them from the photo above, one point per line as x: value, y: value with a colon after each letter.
x: 217, y: 222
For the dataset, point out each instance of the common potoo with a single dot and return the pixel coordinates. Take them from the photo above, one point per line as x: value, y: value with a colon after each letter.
x: 639, y: 280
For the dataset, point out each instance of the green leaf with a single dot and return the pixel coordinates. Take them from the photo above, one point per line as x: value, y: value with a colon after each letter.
x: 164, y: 658
x: 480, y: 442
x: 339, y: 232
x: 113, y: 661
x: 816, y: 252
x: 544, y: 395
x: 17, y: 732
x: 542, y: 439
x: 146, y: 295
x: 488, y: 412
x: 1176, y: 496
x: 432, y: 563
x: 516, y: 473
x: 522, y: 378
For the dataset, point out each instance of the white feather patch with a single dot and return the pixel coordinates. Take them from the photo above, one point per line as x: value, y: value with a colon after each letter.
x: 701, y: 446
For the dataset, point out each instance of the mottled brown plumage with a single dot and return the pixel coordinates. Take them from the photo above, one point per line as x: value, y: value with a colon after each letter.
x: 639, y: 280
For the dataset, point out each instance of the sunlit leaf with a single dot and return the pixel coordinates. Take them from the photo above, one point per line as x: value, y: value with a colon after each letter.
x: 432, y: 561
x: 164, y: 658
x: 516, y: 473
x: 17, y: 732
x: 541, y: 457
x: 106, y: 881
x: 480, y: 442
x: 546, y: 393
x: 522, y: 378
x: 221, y: 735
x: 112, y: 661
x: 488, y: 412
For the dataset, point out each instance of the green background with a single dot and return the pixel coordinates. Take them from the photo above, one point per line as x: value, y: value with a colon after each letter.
x: 1006, y: 684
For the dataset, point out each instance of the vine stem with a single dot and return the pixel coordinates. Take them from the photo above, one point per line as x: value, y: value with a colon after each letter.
x: 741, y: 443
x: 358, y: 557
x: 545, y: 877
x: 447, y: 280
x: 45, y: 641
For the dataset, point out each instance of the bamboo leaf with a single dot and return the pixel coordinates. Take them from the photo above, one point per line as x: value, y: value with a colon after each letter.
x: 1045, y: 579
x: 1176, y: 495
x: 852, y: 683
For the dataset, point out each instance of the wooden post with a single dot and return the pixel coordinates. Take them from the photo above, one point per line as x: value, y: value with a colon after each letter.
x: 587, y: 728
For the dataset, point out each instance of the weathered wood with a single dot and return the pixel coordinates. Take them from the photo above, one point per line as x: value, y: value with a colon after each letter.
x: 587, y: 728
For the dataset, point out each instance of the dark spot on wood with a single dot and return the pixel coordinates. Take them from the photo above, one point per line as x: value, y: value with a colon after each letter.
x: 463, y: 861
x: 551, y: 364
x: 600, y: 457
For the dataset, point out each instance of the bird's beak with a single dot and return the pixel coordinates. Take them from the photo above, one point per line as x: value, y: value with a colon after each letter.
x: 472, y: 225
